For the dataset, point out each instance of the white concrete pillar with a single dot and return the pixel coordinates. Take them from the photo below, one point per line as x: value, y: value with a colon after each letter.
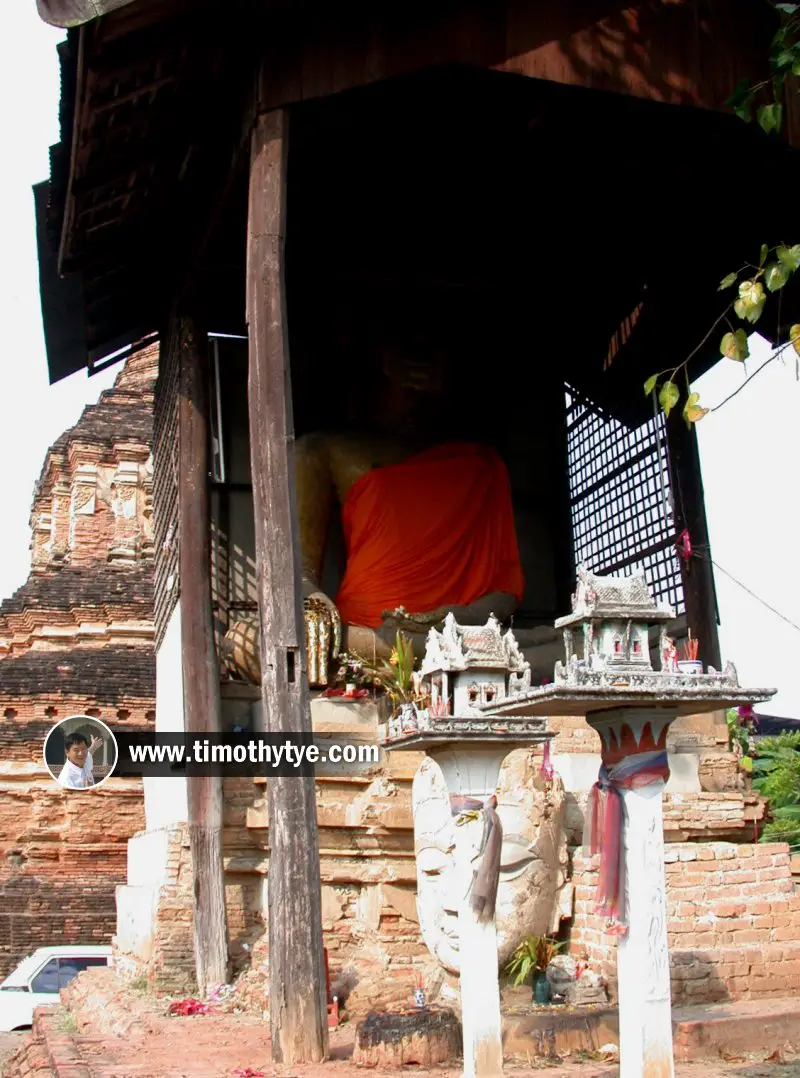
x: 645, y: 1010
x: 479, y: 984
x: 474, y: 771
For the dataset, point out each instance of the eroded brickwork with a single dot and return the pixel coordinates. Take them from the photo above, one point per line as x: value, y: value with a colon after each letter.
x: 733, y: 919
x: 76, y: 638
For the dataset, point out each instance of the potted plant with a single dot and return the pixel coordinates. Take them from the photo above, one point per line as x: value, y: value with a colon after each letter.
x: 398, y: 679
x: 531, y: 958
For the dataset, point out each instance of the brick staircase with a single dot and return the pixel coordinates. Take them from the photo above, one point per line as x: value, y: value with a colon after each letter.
x: 733, y: 922
x: 47, y: 1051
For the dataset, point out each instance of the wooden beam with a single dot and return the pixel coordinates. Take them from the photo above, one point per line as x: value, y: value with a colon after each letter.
x: 201, y: 698
x: 690, y: 513
x: 298, y: 1004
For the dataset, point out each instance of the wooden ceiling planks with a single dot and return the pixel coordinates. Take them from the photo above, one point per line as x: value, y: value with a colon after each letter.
x: 161, y: 86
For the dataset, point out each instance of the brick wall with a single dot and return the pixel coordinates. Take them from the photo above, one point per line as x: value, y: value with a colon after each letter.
x: 172, y: 965
x: 733, y: 921
x: 730, y: 816
x: 61, y: 858
x: 76, y: 639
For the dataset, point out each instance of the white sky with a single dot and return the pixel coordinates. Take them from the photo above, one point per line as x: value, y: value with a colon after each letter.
x: 750, y: 451
x: 32, y: 413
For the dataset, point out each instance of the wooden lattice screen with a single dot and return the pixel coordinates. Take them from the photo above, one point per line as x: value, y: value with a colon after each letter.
x: 620, y: 498
x: 165, y: 485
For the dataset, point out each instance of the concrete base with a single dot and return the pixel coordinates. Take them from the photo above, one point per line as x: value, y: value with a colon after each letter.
x: 707, y: 1031
x: 136, y: 925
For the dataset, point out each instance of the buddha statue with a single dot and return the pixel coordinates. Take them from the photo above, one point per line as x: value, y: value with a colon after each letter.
x: 428, y: 527
x: 532, y: 890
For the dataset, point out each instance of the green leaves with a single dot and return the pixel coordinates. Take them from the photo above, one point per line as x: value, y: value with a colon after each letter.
x: 650, y: 385
x: 789, y: 257
x: 776, y: 276
x: 734, y: 345
x: 787, y: 9
x: 692, y: 412
x: 669, y: 396
x: 764, y: 253
x: 726, y: 282
x: 770, y: 117
x: 533, y: 955
x: 750, y: 303
x: 794, y: 337
x: 741, y: 100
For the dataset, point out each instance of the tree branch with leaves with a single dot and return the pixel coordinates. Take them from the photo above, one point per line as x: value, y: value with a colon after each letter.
x: 774, y: 270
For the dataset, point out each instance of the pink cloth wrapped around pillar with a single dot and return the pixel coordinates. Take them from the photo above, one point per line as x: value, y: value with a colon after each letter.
x: 605, y: 820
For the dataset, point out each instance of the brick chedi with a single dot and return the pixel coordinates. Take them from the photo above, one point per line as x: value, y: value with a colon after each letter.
x: 77, y: 638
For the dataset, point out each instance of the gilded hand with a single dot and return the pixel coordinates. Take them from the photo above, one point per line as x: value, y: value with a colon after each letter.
x: 323, y: 627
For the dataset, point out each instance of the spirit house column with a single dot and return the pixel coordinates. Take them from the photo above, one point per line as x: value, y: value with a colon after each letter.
x: 627, y: 827
x: 472, y: 772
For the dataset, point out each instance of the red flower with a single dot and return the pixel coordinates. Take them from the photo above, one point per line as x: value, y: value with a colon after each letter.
x: 188, y: 1007
x: 747, y: 716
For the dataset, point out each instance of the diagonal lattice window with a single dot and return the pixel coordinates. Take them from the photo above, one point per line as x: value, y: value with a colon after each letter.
x: 620, y: 497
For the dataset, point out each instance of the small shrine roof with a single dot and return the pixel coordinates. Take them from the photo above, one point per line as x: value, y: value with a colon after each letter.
x: 472, y: 647
x: 483, y: 647
x: 620, y: 598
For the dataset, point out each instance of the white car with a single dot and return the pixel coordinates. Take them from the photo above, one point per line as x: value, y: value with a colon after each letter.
x: 39, y: 978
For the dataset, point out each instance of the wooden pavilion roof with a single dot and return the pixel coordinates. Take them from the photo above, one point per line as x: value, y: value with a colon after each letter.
x: 157, y: 97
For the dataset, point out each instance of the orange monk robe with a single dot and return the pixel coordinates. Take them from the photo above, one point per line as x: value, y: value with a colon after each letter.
x: 436, y: 530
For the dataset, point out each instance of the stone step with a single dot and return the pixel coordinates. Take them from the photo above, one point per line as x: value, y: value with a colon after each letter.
x: 745, y: 1027
x: 705, y: 1031
x: 739, y: 972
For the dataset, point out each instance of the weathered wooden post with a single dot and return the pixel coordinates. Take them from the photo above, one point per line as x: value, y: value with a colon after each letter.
x: 298, y: 1007
x: 690, y: 513
x: 202, y: 713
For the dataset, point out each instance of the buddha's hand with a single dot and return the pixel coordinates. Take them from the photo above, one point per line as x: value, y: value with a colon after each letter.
x: 323, y: 627
x: 413, y: 623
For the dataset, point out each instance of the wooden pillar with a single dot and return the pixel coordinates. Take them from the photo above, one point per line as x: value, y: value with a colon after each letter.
x: 298, y: 1004
x: 201, y: 699
x: 690, y: 513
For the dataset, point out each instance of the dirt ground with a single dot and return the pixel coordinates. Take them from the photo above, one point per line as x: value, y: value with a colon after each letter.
x: 236, y: 1047
x: 9, y: 1042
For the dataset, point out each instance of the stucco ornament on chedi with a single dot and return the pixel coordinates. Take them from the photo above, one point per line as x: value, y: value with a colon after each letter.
x: 532, y: 888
